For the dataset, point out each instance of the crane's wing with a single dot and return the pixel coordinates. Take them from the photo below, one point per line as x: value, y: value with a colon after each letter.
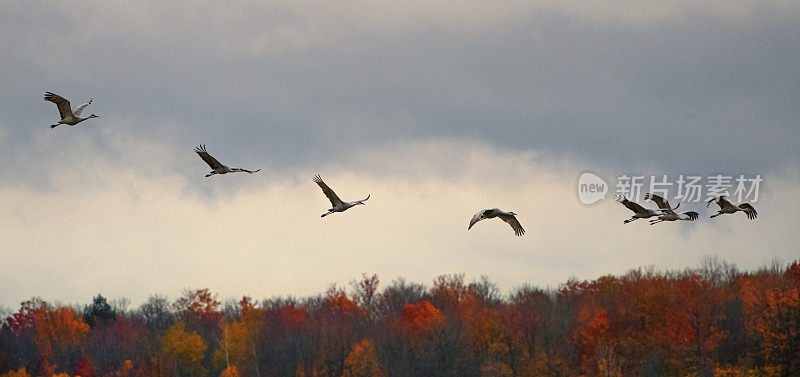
x: 724, y: 203
x: 62, y: 103
x: 721, y: 202
x: 692, y: 215
x: 478, y: 217
x: 211, y: 161
x: 662, y: 203
x: 635, y: 207
x: 335, y: 201
x: 77, y: 111
x: 749, y: 210
x: 512, y: 220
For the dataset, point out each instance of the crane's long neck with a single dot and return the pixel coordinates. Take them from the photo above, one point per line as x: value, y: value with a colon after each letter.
x: 245, y: 170
x: 81, y: 119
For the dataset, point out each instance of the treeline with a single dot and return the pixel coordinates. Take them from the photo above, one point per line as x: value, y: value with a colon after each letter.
x: 710, y: 321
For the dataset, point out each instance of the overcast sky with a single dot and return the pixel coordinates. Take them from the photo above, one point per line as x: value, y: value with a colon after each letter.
x: 436, y: 109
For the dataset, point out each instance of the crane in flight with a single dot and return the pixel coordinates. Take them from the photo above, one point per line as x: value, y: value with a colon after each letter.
x: 69, y: 115
x: 639, y: 212
x: 726, y: 207
x: 668, y: 213
x: 216, y: 166
x: 508, y: 217
x: 337, y: 205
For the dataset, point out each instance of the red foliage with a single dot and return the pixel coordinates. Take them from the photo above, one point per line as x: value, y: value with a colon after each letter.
x: 643, y: 301
x: 200, y: 308
x: 525, y: 318
x: 793, y: 272
x: 448, y: 291
x: 292, y: 317
x: 694, y: 315
x: 592, y: 333
x: 84, y: 368
x: 23, y: 318
x: 247, y: 302
x: 595, y: 329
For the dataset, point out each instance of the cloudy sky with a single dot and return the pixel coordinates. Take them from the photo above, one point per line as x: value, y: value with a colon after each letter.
x: 436, y: 109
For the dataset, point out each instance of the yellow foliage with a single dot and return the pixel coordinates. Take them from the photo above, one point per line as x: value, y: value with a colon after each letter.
x: 363, y: 361
x: 179, y: 344
x: 19, y: 373
x: 233, y: 345
x: 766, y: 371
x: 496, y: 369
x: 186, y: 348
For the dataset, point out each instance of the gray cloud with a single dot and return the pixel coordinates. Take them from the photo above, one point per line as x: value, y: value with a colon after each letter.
x: 682, y: 84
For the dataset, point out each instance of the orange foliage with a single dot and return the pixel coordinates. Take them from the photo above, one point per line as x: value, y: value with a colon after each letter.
x: 66, y: 327
x: 771, y: 307
x: 249, y: 311
x: 484, y: 326
x: 773, y: 319
x: 338, y: 301
x: 417, y: 319
x: 55, y: 330
x: 125, y: 370
x: 338, y: 305
x: 230, y: 371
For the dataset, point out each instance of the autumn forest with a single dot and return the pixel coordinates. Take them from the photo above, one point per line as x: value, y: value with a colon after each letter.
x: 714, y: 320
